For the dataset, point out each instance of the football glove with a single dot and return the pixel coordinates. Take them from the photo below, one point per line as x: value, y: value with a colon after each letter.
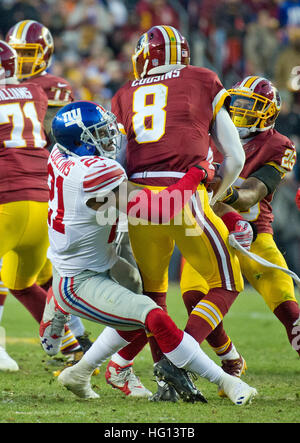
x: 238, y: 228
x: 242, y: 233
x: 209, y: 170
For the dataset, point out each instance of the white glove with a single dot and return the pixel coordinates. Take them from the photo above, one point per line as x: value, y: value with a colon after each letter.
x: 243, y: 234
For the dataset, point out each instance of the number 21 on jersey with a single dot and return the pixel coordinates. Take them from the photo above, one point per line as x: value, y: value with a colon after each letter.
x: 56, y: 191
x: 149, y: 119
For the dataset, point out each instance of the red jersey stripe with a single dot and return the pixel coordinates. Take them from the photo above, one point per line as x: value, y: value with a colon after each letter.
x: 88, y: 184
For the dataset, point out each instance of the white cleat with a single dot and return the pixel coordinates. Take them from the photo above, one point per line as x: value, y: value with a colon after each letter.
x: 238, y: 391
x: 77, y: 383
x: 6, y: 362
x: 124, y: 379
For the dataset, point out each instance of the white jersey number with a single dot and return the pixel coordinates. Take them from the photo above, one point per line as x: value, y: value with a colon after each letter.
x: 14, y: 113
x: 149, y: 120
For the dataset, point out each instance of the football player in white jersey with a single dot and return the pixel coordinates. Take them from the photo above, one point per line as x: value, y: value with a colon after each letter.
x: 85, y: 187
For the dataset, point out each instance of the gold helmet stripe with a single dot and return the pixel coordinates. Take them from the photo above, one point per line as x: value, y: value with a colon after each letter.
x: 173, y: 41
x: 20, y: 28
x: 250, y: 81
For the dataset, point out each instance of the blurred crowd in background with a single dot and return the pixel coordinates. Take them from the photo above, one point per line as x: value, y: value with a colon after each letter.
x: 94, y: 41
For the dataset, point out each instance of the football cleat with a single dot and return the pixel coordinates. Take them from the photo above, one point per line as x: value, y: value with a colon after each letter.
x: 77, y: 383
x: 179, y: 379
x: 84, y: 341
x: 236, y: 367
x: 124, y: 379
x: 6, y: 362
x: 73, y: 358
x: 236, y: 390
x: 165, y: 392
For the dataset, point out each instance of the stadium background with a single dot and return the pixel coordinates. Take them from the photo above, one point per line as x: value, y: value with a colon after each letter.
x: 94, y: 41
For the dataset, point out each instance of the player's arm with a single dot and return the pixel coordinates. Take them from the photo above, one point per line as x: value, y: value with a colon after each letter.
x: 142, y: 203
x: 256, y: 187
x: 227, y: 141
x: 51, y: 112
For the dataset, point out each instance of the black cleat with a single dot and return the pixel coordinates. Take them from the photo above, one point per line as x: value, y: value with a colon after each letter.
x: 84, y: 341
x: 179, y: 379
x: 165, y: 392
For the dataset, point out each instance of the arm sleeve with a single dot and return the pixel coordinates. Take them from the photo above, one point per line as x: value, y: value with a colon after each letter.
x: 163, y: 206
x: 227, y: 141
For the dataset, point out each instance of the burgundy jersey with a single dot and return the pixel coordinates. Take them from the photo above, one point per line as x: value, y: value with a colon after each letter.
x: 267, y: 148
x: 57, y: 89
x: 23, y: 157
x: 167, y: 118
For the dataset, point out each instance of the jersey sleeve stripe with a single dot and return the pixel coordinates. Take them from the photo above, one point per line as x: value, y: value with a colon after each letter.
x: 218, y: 101
x: 107, y: 183
x: 100, y: 171
x: 90, y: 185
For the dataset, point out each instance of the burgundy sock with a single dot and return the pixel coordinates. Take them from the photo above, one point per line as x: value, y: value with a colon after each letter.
x: 219, y: 340
x: 2, y: 299
x: 191, y: 298
x: 33, y: 298
x: 130, y: 351
x: 198, y: 327
x: 288, y: 312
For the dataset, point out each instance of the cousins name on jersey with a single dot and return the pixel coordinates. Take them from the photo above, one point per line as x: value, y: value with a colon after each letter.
x: 18, y: 93
x: 157, y: 78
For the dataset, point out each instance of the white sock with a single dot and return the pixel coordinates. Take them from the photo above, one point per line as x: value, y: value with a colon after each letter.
x: 108, y: 342
x: 116, y: 358
x: 190, y: 356
x: 231, y: 355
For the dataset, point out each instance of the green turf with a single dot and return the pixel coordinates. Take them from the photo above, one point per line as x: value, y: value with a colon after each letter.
x: 33, y: 395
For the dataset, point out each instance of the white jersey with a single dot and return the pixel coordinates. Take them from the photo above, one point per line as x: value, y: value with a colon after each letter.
x: 79, y: 240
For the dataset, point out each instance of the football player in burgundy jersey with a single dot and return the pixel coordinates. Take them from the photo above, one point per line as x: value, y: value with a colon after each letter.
x: 33, y: 43
x: 85, y: 182
x: 24, y: 189
x: 255, y: 105
x: 167, y: 113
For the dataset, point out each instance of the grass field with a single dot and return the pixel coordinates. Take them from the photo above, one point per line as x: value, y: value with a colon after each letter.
x: 33, y: 395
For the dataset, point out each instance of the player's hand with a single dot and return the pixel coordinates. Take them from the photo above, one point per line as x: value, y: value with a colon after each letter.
x: 242, y: 233
x: 297, y: 198
x: 209, y: 170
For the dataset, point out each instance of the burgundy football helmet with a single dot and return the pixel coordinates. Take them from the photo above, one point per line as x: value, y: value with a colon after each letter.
x: 255, y: 103
x: 8, y: 63
x: 158, y: 50
x: 34, y: 45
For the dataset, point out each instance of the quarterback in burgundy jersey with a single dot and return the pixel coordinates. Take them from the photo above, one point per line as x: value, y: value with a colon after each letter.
x: 254, y: 108
x: 167, y: 114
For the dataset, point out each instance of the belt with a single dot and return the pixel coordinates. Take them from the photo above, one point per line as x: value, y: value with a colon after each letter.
x: 154, y: 174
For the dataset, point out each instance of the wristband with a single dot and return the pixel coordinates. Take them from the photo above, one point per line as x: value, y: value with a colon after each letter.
x: 230, y: 219
x: 232, y: 197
